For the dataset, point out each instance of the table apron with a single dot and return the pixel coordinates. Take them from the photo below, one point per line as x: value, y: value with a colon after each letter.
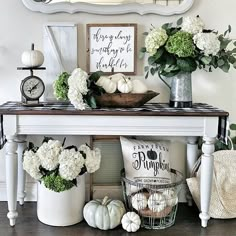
x: 111, y: 125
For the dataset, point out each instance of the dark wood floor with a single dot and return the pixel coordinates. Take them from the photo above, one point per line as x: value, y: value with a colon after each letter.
x: 187, y: 224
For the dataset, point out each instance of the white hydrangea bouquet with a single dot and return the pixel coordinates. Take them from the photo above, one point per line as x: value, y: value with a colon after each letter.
x: 79, y: 88
x: 186, y: 46
x: 58, y: 167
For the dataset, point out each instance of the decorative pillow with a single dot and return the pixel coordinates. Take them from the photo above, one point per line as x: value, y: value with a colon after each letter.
x: 144, y: 160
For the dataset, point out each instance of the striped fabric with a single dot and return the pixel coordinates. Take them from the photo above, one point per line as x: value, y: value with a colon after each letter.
x: 196, y: 109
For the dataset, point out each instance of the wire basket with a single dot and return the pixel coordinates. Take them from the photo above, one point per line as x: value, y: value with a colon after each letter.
x: 155, y: 204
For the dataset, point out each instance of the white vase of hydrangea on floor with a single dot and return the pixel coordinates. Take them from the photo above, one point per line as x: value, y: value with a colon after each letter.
x: 61, y: 180
x: 61, y: 209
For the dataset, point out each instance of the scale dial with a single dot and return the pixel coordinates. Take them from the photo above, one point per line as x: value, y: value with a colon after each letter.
x: 32, y: 88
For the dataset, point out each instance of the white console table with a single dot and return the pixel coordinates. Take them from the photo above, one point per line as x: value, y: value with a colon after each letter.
x: 152, y: 120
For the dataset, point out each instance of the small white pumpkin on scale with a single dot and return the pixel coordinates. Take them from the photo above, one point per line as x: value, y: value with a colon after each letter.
x: 32, y: 58
x: 125, y: 85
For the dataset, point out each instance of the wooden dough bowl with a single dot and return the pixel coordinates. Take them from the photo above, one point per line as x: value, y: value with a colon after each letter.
x: 124, y: 100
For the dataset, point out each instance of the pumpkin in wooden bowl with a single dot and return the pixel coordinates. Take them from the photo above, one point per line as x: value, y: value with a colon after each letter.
x: 121, y: 91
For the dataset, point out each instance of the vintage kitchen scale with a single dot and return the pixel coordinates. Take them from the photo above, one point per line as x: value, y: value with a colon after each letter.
x: 32, y: 87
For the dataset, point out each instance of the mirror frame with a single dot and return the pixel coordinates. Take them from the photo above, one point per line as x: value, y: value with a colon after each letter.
x: 109, y: 9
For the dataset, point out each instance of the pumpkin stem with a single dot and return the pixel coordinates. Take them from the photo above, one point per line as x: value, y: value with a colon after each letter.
x: 32, y: 47
x: 104, y: 201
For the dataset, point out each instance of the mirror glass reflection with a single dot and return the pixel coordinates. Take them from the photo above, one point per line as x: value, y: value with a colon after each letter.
x: 116, y: 2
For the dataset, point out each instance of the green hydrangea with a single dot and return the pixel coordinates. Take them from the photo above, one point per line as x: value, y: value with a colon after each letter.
x: 56, y: 183
x: 61, y: 86
x: 181, y: 44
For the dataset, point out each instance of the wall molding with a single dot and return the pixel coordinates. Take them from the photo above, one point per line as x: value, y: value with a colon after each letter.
x: 31, y: 190
x: 98, y: 191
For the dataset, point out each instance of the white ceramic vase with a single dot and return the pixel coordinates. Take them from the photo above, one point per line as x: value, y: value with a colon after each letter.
x: 64, y: 208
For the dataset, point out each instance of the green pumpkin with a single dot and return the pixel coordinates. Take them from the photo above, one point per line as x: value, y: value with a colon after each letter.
x: 104, y: 213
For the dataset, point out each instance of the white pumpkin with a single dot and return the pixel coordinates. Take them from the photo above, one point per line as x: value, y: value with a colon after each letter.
x: 156, y: 202
x: 109, y: 86
x: 171, y: 197
x: 104, y: 213
x: 116, y: 77
x: 131, y: 222
x: 139, y: 86
x: 125, y: 85
x: 32, y: 58
x: 101, y: 80
x: 139, y: 201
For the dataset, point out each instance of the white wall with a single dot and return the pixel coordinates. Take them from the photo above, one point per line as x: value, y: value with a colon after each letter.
x: 20, y: 27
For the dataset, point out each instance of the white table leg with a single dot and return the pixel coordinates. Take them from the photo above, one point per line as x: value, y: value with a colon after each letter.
x: 206, y: 178
x: 11, y: 178
x: 192, y: 155
x: 21, y: 173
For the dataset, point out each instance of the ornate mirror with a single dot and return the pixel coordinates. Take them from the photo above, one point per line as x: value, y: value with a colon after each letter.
x: 110, y: 7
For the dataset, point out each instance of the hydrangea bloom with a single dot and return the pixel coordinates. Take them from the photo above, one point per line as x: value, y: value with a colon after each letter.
x: 181, y: 44
x: 71, y: 163
x: 76, y: 98
x: 78, y: 81
x: 155, y: 39
x: 84, y: 148
x: 31, y: 164
x: 60, y: 86
x: 58, y: 167
x: 77, y: 88
x: 208, y: 43
x: 48, y: 154
x: 184, y: 50
x: 93, y: 160
x: 192, y: 25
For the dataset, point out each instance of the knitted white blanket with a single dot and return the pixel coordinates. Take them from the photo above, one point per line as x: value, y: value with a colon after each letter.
x: 223, y: 195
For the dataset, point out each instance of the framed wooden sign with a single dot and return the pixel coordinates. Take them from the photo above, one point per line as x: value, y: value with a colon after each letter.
x: 112, y: 47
